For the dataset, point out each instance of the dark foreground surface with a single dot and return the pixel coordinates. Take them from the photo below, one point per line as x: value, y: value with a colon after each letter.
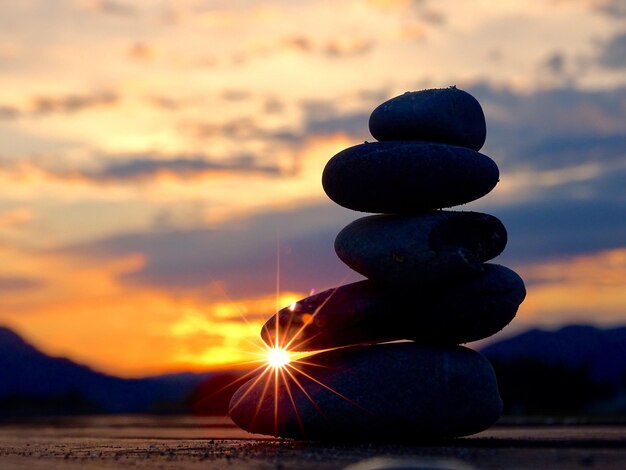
x: 215, y: 443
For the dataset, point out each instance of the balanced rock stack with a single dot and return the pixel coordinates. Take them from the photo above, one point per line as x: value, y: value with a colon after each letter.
x: 427, y: 282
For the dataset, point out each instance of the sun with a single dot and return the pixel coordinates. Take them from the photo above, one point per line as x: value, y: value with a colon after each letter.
x: 278, y: 357
x: 280, y: 362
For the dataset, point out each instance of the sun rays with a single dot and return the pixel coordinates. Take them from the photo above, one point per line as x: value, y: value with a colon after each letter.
x: 282, y: 366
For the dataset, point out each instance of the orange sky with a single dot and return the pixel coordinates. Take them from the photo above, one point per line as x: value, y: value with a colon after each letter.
x: 156, y: 157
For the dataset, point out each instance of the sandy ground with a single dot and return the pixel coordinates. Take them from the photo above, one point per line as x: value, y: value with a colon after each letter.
x: 215, y: 443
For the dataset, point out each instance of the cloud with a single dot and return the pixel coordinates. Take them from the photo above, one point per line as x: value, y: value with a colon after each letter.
x: 334, y: 47
x: 613, y: 8
x: 299, y: 43
x: 354, y: 124
x: 241, y: 254
x: 141, y: 51
x: 562, y: 153
x: 566, y: 148
x: 546, y: 138
x: 273, y: 105
x: 133, y: 168
x: 243, y: 127
x: 553, y: 129
x: 12, y: 284
x: 320, y: 118
x: 323, y: 117
x: 9, y: 112
x: 113, y: 7
x: 235, y: 95
x: 551, y: 228
x: 201, y: 280
x: 578, y: 289
x: 389, y: 4
x: 614, y: 53
x: 144, y: 168
x: 347, y: 47
x: 241, y: 130
x: 556, y: 63
x: 432, y: 16
x: 422, y: 9
x: 548, y: 129
x: 168, y: 103
x: 43, y: 105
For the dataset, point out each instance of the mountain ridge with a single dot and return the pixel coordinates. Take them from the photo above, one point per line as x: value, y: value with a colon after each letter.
x: 576, y: 368
x: 602, y: 350
x: 30, y: 379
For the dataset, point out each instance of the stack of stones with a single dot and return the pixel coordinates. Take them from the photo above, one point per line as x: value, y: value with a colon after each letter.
x: 427, y: 282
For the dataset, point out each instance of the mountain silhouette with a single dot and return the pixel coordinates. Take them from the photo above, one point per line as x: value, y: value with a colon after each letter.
x: 602, y: 351
x: 32, y: 382
x: 576, y: 370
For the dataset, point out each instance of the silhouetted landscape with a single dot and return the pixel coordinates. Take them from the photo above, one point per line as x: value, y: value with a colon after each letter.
x: 572, y: 371
x: 35, y: 384
x: 576, y: 370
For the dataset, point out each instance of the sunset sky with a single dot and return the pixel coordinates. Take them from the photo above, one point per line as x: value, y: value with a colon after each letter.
x: 157, y: 157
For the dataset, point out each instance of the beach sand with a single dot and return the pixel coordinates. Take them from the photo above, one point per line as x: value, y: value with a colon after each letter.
x: 216, y: 443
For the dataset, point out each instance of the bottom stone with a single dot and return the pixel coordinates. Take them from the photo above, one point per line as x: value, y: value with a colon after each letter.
x: 397, y: 391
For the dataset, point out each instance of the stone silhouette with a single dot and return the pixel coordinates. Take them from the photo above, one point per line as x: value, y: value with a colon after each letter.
x: 428, y: 283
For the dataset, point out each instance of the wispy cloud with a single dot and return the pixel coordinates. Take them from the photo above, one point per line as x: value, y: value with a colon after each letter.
x: 424, y: 10
x: 9, y: 112
x: 341, y: 46
x: 555, y: 63
x: 43, y: 105
x: 241, y: 254
x: 113, y: 7
x: 72, y: 103
x: 552, y: 129
x: 135, y: 168
x: 576, y: 289
x: 346, y: 47
x: 614, y: 53
x: 557, y: 228
x: 142, y: 168
x: 141, y: 51
x: 612, y: 8
x: 13, y: 284
x: 238, y: 128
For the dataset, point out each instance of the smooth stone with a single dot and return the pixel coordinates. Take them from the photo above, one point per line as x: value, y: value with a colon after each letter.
x: 388, y: 392
x: 447, y: 115
x: 407, y: 177
x: 363, y: 312
x: 425, y: 249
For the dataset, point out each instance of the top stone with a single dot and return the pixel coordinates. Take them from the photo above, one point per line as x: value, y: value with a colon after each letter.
x: 446, y: 115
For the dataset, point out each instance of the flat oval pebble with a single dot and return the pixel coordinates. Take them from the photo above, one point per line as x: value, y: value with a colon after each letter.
x: 447, y: 115
x: 407, y: 177
x: 391, y: 392
x: 425, y: 249
x: 362, y: 312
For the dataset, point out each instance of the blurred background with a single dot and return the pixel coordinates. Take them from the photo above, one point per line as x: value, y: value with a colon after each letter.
x: 157, y: 157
